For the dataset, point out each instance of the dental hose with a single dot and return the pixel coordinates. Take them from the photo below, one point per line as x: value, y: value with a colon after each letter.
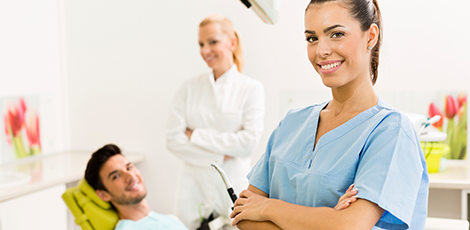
x: 230, y: 191
x: 232, y: 195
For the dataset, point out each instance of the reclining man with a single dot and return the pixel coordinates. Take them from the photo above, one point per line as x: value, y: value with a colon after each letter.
x: 118, y: 181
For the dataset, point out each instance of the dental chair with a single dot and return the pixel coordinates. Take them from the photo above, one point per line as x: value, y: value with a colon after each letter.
x: 90, y: 212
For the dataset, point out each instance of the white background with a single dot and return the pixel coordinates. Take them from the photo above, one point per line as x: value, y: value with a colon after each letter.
x: 126, y: 59
x: 32, y: 64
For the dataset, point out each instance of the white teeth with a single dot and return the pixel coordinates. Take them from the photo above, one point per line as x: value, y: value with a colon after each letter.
x: 330, y: 66
x: 134, y: 186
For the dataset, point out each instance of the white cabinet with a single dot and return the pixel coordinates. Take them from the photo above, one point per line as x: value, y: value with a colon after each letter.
x: 43, y: 209
x: 449, y: 191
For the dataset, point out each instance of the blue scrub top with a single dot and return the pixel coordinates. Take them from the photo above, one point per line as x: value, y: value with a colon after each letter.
x: 377, y: 150
x: 153, y: 221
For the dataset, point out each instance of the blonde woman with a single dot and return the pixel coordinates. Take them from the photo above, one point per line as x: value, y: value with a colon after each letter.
x: 217, y: 116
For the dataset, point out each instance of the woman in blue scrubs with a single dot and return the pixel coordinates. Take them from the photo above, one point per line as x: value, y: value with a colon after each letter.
x: 316, y: 152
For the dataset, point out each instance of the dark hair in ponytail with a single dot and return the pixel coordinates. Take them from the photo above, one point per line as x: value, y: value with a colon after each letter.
x: 367, y: 12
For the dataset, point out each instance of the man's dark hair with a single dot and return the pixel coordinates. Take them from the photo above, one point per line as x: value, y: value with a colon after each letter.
x: 98, y: 159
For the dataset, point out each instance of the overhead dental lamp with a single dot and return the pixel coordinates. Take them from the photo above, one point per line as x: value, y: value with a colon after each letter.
x: 267, y: 10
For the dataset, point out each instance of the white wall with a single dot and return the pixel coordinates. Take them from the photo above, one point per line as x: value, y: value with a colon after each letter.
x: 32, y: 63
x: 126, y: 59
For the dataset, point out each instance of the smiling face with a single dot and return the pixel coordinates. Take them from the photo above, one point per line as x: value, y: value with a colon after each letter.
x: 336, y: 45
x: 123, y: 182
x: 216, y: 47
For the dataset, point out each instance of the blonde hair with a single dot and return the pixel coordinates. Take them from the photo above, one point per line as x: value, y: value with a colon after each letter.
x: 227, y: 28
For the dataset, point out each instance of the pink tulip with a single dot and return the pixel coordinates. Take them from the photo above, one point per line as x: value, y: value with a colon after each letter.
x: 32, y: 128
x: 433, y: 111
x: 14, y: 125
x: 460, y: 112
x: 451, y: 107
x: 7, y: 133
x: 462, y: 98
x: 22, y: 105
x: 21, y: 108
x: 14, y: 119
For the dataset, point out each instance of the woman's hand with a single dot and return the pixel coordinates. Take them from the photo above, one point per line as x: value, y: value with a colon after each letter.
x: 249, y: 206
x: 347, y: 199
x: 188, y: 133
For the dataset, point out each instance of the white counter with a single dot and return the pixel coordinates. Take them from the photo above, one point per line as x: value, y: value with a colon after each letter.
x: 50, y: 170
x: 448, y: 224
x: 456, y: 176
x: 449, y: 191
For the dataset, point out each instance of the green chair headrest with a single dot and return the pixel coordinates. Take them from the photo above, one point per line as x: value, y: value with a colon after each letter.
x: 90, y: 212
x: 91, y: 193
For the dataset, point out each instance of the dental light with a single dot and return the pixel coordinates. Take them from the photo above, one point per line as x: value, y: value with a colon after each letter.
x: 267, y: 10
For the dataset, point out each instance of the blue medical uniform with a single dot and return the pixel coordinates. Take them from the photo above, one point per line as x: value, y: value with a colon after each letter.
x: 153, y: 221
x: 377, y: 150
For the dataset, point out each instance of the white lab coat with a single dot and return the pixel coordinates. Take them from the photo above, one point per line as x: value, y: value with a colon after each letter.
x: 227, y: 118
